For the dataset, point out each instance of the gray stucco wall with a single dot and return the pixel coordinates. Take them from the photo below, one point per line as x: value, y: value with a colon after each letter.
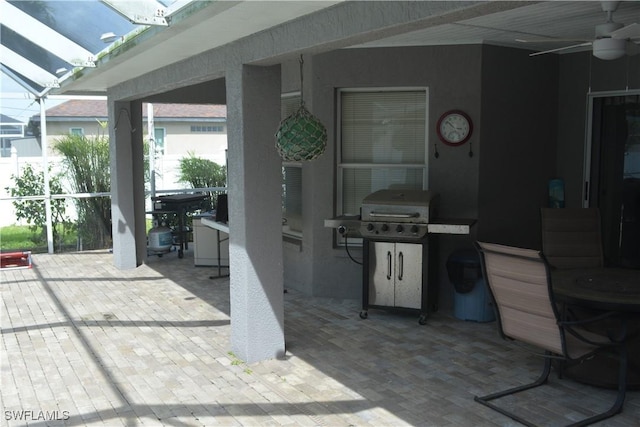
x: 519, y: 111
x: 516, y: 103
x: 452, y: 74
x: 513, y: 101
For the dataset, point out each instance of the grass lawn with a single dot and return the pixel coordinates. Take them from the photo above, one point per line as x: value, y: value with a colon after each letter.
x: 19, y: 238
x: 15, y: 238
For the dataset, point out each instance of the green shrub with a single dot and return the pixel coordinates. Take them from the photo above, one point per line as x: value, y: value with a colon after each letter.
x: 202, y: 173
x: 31, y: 183
x: 87, y: 162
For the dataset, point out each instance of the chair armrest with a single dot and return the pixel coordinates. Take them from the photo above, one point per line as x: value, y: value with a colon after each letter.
x: 588, y: 320
x: 612, y: 337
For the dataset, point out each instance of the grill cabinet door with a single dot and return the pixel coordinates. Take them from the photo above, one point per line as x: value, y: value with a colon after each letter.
x: 381, y: 273
x: 395, y: 274
x: 408, y: 275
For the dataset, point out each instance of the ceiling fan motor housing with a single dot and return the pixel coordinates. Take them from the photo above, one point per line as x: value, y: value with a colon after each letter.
x: 609, y: 6
x: 609, y: 48
x: 605, y: 30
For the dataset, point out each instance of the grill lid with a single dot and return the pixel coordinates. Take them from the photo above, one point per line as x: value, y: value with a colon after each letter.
x: 418, y: 198
x: 397, y: 214
x: 412, y: 206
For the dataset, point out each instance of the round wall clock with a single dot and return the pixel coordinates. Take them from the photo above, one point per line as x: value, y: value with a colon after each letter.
x: 454, y: 127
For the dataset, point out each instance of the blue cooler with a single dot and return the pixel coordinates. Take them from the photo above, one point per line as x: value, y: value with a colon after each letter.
x: 472, y: 300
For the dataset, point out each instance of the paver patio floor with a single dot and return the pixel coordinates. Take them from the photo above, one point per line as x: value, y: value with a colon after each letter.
x: 86, y: 344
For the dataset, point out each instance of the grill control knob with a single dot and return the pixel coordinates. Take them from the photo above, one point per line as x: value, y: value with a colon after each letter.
x: 399, y: 228
x: 385, y: 227
x: 370, y: 227
x: 414, y: 228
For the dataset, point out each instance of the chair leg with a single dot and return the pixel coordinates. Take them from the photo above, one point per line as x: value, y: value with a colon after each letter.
x: 622, y: 391
x: 615, y: 409
x: 542, y: 379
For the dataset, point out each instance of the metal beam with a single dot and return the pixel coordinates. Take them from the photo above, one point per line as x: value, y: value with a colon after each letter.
x: 144, y: 12
x: 27, y: 68
x: 44, y: 36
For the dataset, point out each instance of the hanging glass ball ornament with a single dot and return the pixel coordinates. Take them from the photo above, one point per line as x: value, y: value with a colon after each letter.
x: 301, y: 137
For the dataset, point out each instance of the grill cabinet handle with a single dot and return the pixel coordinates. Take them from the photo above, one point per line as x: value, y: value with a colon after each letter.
x: 389, y: 265
x: 393, y: 215
x: 401, y: 266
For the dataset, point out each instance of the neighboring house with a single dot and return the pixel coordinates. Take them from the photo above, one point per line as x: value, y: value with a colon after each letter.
x: 179, y: 129
x: 12, y: 134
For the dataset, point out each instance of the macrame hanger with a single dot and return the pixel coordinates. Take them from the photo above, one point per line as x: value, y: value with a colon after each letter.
x: 301, y: 136
x: 301, y: 81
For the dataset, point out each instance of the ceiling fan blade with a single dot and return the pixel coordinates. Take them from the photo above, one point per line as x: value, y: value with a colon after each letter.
x: 633, y: 48
x: 627, y: 32
x: 561, y: 48
x: 549, y: 40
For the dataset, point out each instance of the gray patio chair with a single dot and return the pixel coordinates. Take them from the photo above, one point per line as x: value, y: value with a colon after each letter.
x: 520, y: 286
x: 572, y: 237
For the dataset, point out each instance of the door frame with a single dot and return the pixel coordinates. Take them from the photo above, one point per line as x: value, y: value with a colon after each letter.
x: 586, y: 202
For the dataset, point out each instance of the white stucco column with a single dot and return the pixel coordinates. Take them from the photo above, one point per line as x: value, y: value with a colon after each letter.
x: 255, y: 213
x: 127, y: 184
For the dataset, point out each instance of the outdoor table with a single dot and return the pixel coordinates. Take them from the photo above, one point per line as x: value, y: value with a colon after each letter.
x: 606, y: 290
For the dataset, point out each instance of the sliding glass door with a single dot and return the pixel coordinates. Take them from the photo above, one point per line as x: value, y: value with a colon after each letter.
x: 614, y: 170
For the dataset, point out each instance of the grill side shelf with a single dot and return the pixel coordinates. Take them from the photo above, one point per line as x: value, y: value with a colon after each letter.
x: 450, y: 226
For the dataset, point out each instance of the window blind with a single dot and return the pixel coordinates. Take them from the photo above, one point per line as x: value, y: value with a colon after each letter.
x: 383, y: 127
x: 382, y: 143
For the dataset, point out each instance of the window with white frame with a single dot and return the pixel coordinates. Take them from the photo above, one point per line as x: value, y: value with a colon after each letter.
x: 292, y: 178
x: 159, y: 137
x: 5, y: 147
x: 207, y: 128
x: 382, y: 143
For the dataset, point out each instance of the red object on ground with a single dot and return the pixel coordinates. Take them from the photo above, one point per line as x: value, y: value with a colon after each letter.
x: 15, y: 260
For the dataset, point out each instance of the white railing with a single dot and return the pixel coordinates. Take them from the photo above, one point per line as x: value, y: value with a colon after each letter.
x: 8, y: 200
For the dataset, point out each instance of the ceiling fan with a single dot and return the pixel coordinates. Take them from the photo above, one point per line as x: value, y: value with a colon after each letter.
x: 612, y: 40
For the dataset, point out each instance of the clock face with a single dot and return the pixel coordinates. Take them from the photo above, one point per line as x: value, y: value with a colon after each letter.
x: 454, y: 128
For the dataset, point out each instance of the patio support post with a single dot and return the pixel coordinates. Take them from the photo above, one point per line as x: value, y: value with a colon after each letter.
x: 45, y: 166
x: 255, y: 213
x: 127, y: 184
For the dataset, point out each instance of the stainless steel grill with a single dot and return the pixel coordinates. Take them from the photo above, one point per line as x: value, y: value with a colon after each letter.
x: 398, y: 265
x: 397, y: 214
x: 394, y: 225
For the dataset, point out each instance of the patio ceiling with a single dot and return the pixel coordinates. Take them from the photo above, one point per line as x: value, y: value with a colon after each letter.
x: 42, y: 41
x: 538, y: 26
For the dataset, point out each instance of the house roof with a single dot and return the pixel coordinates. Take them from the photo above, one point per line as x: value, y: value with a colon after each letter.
x: 5, y: 120
x: 82, y: 109
x: 10, y: 127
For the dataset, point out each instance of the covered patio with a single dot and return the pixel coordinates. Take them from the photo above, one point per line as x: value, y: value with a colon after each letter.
x: 123, y: 337
x: 85, y: 343
x: 531, y: 122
